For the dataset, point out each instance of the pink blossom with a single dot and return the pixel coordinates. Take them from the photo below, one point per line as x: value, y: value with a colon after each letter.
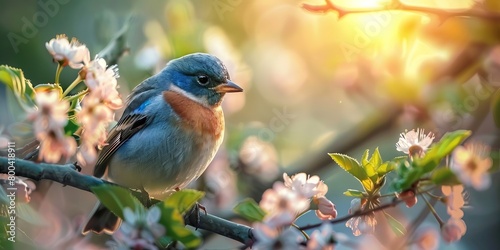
x: 54, y: 146
x: 49, y: 120
x: 471, y: 164
x: 425, y: 238
x: 326, y: 209
x: 453, y: 230
x: 454, y: 200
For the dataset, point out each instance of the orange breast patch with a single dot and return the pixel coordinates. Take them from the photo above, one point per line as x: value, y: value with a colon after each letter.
x: 194, y: 115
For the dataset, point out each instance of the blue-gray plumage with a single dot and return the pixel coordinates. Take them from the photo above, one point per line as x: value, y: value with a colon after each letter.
x: 169, y: 132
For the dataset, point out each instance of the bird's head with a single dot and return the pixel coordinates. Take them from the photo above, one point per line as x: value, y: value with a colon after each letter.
x: 201, y: 77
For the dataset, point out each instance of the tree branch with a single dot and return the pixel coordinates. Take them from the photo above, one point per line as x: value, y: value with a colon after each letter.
x: 67, y: 175
x: 400, y: 5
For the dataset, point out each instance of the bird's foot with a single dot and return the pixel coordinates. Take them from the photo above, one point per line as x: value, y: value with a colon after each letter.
x: 77, y: 166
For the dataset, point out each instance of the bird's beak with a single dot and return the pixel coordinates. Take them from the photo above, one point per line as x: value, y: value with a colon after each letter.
x: 228, y: 87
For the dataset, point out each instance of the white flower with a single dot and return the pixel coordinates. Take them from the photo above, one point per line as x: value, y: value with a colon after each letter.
x: 471, y: 164
x: 68, y: 53
x: 414, y: 142
x: 323, y: 238
x: 282, y: 199
x: 271, y: 238
x: 453, y: 230
x: 454, y: 200
x: 307, y: 186
x: 140, y: 229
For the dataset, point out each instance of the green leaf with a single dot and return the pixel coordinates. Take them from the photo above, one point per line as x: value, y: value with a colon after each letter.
x: 444, y: 176
x: 71, y: 127
x: 184, y: 200
x: 46, y: 87
x: 116, y: 198
x: 354, y: 193
x: 385, y: 168
x: 372, y: 166
x: 495, y: 108
x: 396, y: 226
x: 441, y: 149
x: 173, y: 222
x: 22, y: 88
x: 407, y: 178
x: 250, y: 210
x: 353, y: 167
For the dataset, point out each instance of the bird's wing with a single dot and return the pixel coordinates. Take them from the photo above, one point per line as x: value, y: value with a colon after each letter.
x: 124, y: 129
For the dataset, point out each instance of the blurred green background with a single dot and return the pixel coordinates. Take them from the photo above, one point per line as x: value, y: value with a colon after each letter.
x: 313, y: 84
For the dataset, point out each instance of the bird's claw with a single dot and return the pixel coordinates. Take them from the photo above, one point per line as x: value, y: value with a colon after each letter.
x: 77, y: 166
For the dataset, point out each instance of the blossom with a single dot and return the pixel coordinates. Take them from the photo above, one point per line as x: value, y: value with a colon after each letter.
x: 68, y: 53
x: 51, y: 112
x: 323, y: 238
x: 139, y: 230
x: 268, y: 237
x: 94, y: 117
x: 54, y: 146
x: 454, y: 200
x: 259, y: 158
x: 453, y: 230
x: 281, y: 198
x: 101, y: 81
x: 408, y: 197
x: 4, y: 139
x: 425, y: 238
x: 471, y: 163
x: 326, y: 209
x: 360, y: 224
x: 312, y: 187
x: 307, y: 186
x: 414, y: 142
x: 49, y: 120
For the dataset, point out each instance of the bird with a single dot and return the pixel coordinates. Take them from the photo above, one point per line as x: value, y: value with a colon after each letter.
x: 170, y: 130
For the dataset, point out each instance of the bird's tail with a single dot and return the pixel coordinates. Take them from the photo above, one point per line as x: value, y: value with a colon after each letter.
x: 101, y: 220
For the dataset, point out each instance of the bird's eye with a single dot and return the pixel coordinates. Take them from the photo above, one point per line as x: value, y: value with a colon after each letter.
x: 203, y: 80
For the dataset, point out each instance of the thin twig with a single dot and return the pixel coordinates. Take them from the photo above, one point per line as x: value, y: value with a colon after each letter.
x: 395, y: 201
x: 400, y: 5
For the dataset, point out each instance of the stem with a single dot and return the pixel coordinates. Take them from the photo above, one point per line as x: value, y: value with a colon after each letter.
x: 72, y: 85
x: 393, y: 203
x: 58, y: 73
x: 433, y: 211
x: 301, y: 231
x: 77, y: 96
